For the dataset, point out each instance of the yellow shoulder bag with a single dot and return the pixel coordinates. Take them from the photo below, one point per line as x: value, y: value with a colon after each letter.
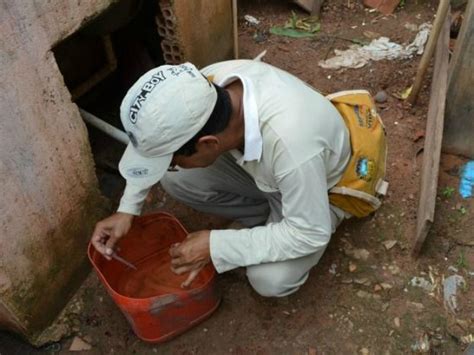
x: 362, y: 184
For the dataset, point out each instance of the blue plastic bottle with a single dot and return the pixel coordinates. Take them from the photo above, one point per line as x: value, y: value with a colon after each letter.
x: 467, y: 180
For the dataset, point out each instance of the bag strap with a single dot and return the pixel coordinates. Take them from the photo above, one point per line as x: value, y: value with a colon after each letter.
x: 374, y: 201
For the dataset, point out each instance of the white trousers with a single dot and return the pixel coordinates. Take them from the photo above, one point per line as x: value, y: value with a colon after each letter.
x: 227, y: 190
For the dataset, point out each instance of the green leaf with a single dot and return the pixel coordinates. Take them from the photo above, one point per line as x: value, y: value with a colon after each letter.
x: 290, y: 32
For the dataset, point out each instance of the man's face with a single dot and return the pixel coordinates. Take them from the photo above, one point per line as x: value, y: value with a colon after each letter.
x: 207, y: 151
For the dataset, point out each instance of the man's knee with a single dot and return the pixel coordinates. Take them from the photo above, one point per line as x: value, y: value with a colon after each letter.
x: 182, y: 186
x: 271, y: 280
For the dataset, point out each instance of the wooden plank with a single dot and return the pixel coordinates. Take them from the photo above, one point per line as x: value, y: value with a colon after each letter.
x: 443, y: 9
x: 235, y: 29
x: 311, y: 6
x: 459, y: 123
x: 434, y: 137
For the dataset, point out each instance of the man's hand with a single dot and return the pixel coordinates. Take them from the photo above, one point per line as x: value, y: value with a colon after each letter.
x: 108, y: 231
x: 191, y: 255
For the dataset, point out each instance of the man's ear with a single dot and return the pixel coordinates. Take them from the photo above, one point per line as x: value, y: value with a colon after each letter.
x: 208, y: 142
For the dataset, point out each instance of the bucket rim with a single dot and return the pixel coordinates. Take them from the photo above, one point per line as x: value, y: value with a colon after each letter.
x: 91, y: 251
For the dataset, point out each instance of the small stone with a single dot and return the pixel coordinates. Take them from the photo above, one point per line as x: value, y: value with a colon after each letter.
x: 286, y: 313
x: 394, y: 269
x: 396, y: 321
x: 155, y: 350
x: 362, y: 281
x: 79, y: 345
x: 364, y: 294
x: 385, y: 306
x: 389, y: 244
x: 358, y: 254
x: 352, y: 267
x: 380, y: 97
x: 386, y: 285
x: 377, y: 288
x: 364, y: 351
x: 346, y: 281
x: 411, y: 26
x: 418, y: 306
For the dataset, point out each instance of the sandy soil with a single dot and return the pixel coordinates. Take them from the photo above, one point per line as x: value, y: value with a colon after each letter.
x: 353, y: 302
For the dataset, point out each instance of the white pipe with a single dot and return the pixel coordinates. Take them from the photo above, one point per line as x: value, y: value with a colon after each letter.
x: 108, y: 129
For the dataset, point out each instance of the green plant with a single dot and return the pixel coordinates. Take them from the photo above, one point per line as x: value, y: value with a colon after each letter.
x: 381, y: 237
x: 448, y: 191
x: 462, y: 210
x: 462, y: 262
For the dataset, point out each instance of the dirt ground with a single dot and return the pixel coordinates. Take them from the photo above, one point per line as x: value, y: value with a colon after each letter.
x: 359, y: 298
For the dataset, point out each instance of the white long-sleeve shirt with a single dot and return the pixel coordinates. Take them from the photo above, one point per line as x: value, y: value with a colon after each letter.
x: 296, y: 143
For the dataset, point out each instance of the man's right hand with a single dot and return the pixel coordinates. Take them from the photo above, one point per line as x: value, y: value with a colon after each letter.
x: 108, y: 231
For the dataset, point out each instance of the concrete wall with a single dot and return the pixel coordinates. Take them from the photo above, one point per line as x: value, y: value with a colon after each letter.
x: 50, y: 199
x: 458, y: 135
x: 49, y: 196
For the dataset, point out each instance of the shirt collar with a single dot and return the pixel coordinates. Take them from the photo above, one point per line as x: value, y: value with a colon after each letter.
x: 252, y: 135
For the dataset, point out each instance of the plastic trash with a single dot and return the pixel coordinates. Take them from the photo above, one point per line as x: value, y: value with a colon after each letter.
x: 251, y: 20
x: 422, y: 283
x: 450, y: 286
x: 422, y: 344
x: 378, y: 49
x: 466, y: 183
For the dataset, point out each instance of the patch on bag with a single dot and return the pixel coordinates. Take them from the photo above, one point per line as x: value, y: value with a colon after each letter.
x: 371, y: 116
x: 365, y: 115
x: 359, y: 112
x: 365, y: 169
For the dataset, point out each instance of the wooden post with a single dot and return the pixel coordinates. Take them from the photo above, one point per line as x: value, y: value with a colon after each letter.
x: 434, y: 136
x: 459, y: 121
x: 236, y: 29
x: 429, y: 49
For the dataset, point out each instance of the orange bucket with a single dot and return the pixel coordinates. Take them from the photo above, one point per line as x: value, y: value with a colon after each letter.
x: 151, y: 297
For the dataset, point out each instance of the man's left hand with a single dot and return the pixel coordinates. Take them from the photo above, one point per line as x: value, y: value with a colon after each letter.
x: 191, y: 255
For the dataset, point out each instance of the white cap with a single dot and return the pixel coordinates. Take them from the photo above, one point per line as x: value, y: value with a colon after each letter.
x: 161, y: 112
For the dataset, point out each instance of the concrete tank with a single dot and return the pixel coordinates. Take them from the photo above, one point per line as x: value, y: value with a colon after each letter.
x: 50, y: 197
x: 50, y: 200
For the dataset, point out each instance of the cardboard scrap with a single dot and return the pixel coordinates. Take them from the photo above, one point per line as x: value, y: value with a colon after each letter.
x: 384, y: 6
